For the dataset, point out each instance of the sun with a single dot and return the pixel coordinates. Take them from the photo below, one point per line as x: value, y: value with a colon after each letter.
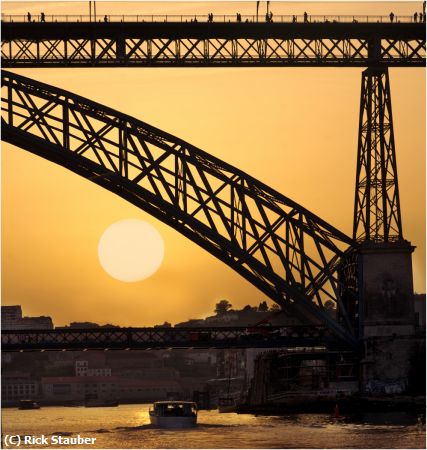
x: 131, y: 250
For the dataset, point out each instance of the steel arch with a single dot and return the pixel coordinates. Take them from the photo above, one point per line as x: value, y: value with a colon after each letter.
x: 287, y: 252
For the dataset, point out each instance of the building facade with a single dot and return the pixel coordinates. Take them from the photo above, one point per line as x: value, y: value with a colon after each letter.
x: 11, y: 319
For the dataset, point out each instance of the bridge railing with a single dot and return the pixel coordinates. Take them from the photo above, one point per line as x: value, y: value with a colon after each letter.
x: 144, y: 18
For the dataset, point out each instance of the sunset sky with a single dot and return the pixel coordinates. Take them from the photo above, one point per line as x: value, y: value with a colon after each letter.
x: 294, y: 129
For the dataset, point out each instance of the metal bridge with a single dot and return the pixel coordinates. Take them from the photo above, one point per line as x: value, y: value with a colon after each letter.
x: 223, y: 44
x: 160, y: 338
x: 290, y: 254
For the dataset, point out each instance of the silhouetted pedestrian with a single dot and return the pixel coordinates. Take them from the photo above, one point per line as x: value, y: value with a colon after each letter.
x: 42, y: 17
x: 415, y: 17
x: 105, y: 19
x: 391, y: 17
x: 305, y: 17
x: 294, y: 19
x: 270, y: 17
x: 29, y: 17
x: 267, y: 17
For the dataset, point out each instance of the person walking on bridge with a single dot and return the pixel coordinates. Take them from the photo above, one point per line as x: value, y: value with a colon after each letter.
x: 42, y: 17
x: 391, y: 17
x: 29, y: 16
x: 415, y: 17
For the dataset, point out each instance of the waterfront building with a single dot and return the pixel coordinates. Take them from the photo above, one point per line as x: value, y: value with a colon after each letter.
x: 10, y: 314
x: 11, y: 319
x: 82, y: 369
x: 146, y: 390
x: 18, y: 386
x: 77, y: 389
x: 148, y: 373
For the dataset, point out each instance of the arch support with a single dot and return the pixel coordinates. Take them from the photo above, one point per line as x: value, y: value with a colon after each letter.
x: 283, y: 249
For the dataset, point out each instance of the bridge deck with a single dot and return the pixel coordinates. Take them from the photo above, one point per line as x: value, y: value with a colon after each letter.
x: 157, y: 338
x: 47, y: 30
x: 212, y: 44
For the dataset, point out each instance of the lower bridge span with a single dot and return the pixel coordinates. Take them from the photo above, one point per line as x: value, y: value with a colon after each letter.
x: 158, y: 338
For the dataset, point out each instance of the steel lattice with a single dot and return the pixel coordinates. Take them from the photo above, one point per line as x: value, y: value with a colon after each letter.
x: 220, y: 45
x: 377, y: 208
x: 289, y: 253
x: 154, y: 338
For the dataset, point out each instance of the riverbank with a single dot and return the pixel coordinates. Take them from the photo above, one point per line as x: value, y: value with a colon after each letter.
x: 355, y: 404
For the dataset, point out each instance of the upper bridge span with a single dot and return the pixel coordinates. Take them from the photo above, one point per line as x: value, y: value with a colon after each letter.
x: 128, y: 41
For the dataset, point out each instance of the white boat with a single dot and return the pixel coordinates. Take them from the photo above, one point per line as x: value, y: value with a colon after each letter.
x: 173, y: 414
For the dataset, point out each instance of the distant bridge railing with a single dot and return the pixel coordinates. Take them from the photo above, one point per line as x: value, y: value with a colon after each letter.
x: 157, y: 338
x: 220, y: 18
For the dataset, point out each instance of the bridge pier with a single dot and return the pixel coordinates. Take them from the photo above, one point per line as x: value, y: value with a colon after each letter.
x: 387, y: 316
x: 386, y: 291
x: 386, y: 321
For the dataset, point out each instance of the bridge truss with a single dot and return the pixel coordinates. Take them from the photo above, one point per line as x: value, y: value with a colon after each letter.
x: 212, y: 44
x: 289, y: 253
x: 160, y: 338
x: 377, y: 215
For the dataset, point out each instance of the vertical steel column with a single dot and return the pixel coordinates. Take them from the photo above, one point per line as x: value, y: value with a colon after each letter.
x: 377, y: 208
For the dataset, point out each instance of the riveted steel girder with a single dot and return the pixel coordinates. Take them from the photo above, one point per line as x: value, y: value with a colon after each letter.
x: 155, y: 338
x: 212, y: 44
x: 286, y: 251
x: 377, y: 206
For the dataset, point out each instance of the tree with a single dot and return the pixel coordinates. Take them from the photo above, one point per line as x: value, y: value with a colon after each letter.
x: 249, y: 308
x: 275, y: 307
x: 263, y: 306
x: 222, y: 307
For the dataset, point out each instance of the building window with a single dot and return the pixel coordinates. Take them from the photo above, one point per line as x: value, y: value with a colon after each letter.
x: 61, y: 389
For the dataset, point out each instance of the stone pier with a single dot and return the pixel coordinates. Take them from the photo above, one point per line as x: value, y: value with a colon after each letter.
x: 386, y: 316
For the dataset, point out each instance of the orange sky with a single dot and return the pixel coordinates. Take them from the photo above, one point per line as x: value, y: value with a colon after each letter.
x: 293, y: 128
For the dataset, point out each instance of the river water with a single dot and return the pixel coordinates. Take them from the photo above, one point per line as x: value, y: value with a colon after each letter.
x: 128, y: 426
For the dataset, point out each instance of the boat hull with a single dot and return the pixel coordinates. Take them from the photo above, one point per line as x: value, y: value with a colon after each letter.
x: 28, y: 404
x: 173, y: 422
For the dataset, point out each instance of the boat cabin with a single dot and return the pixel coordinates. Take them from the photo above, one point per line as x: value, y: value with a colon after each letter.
x: 174, y: 409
